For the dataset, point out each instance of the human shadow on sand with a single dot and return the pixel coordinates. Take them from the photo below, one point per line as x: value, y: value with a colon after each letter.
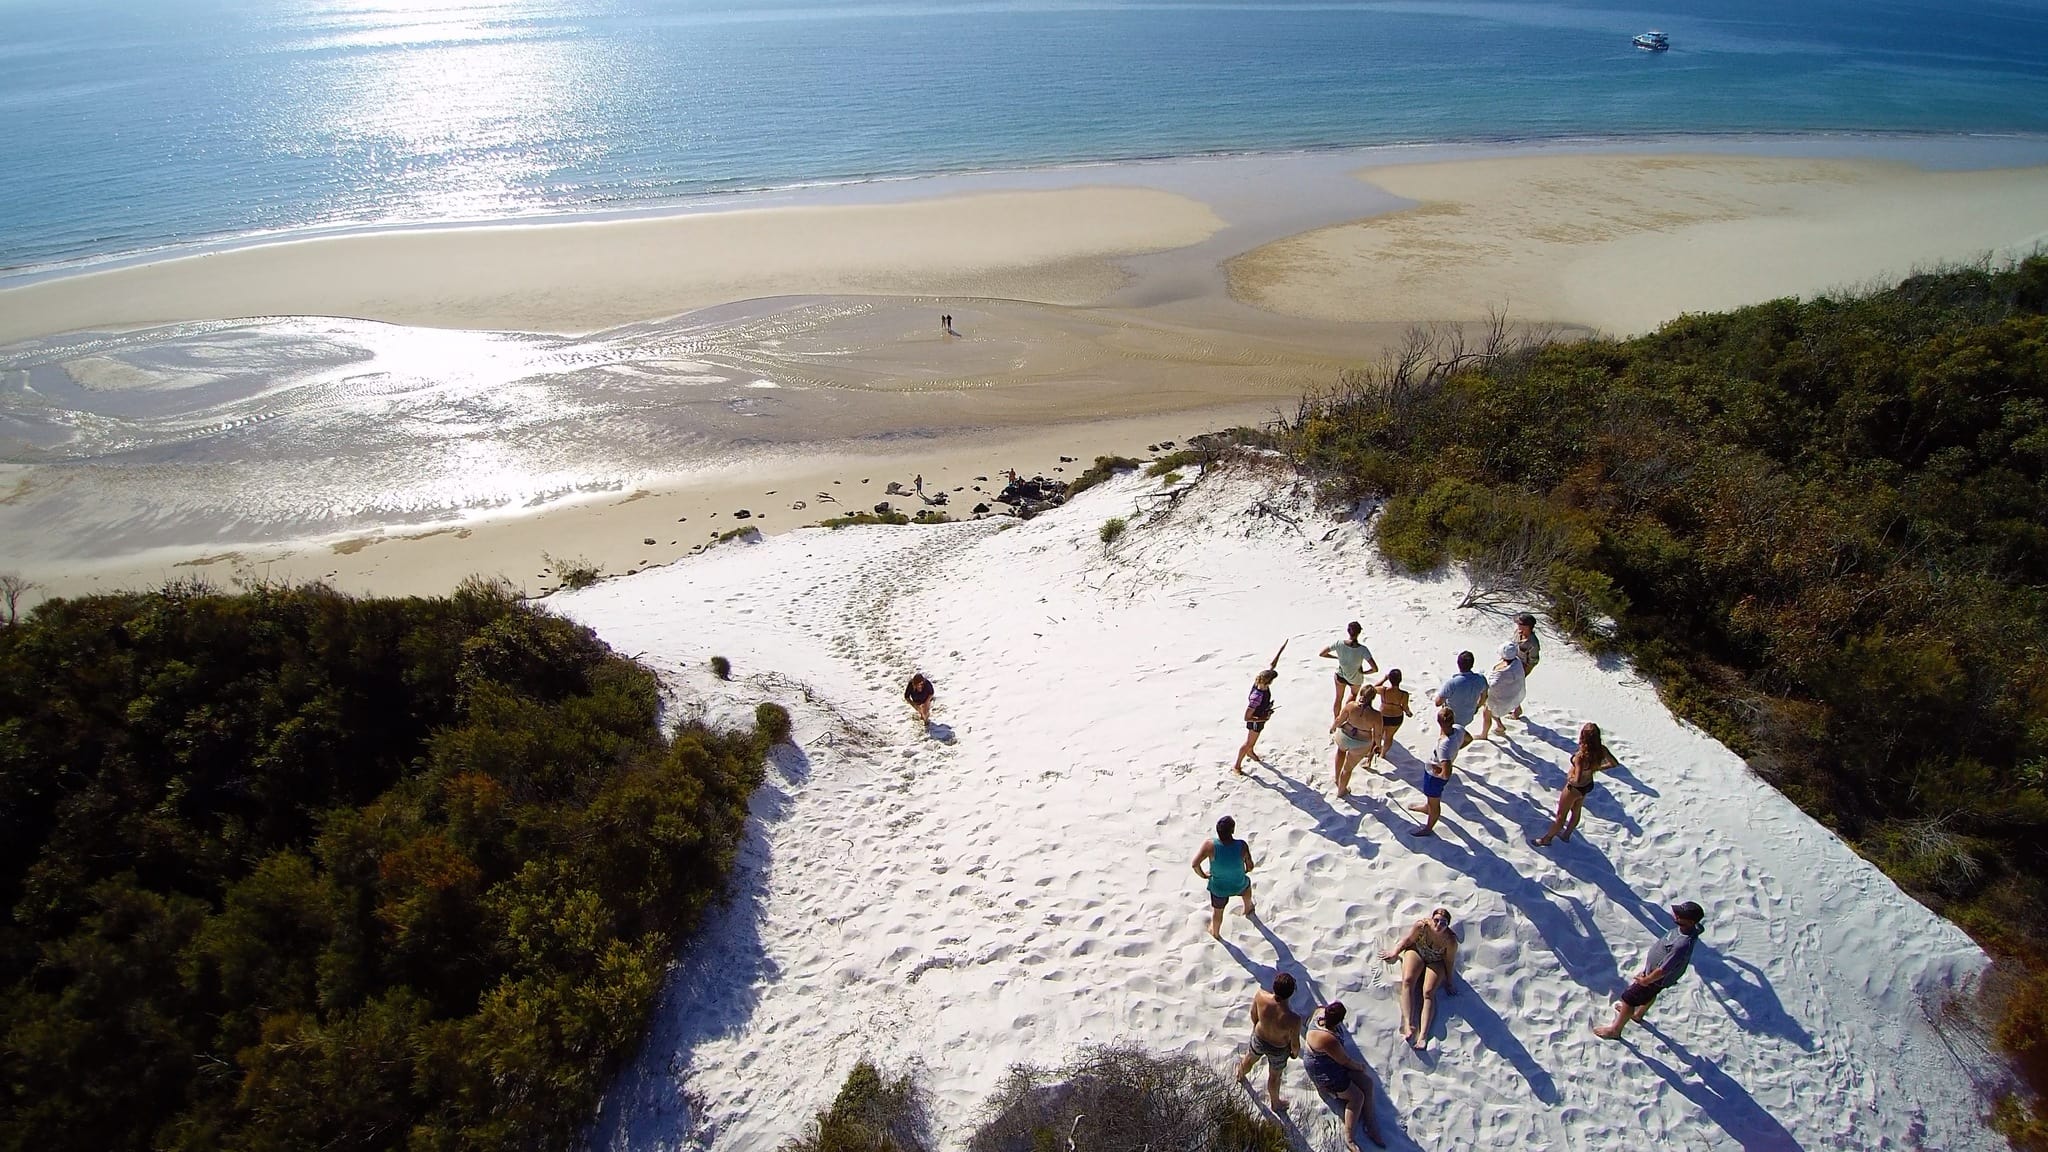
x: 1494, y: 1033
x: 943, y: 733
x: 1284, y: 960
x: 1742, y: 989
x: 712, y: 992
x: 1569, y: 744
x: 1600, y: 803
x: 1724, y: 1101
x: 1338, y: 826
x: 1408, y: 769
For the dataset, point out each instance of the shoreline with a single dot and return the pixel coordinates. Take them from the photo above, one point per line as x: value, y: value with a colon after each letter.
x: 876, y: 187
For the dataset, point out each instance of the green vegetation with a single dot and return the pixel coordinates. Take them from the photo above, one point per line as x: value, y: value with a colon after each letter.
x: 576, y: 573
x: 721, y: 667
x: 741, y: 533
x: 870, y: 1114
x: 1170, y: 479
x: 865, y: 518
x: 290, y: 869
x: 1112, y: 529
x: 1103, y: 468
x: 932, y: 516
x: 1173, y: 462
x: 1123, y: 1099
x: 1821, y: 527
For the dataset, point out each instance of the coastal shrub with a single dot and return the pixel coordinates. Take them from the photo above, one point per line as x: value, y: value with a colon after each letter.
x: 721, y: 667
x: 865, y: 518
x: 1112, y: 529
x: 1103, y: 468
x: 871, y: 1113
x: 292, y: 869
x: 1122, y: 1099
x: 741, y: 533
x: 932, y: 516
x: 771, y: 723
x: 1170, y: 479
x: 576, y: 573
x: 1790, y: 517
x: 1174, y: 461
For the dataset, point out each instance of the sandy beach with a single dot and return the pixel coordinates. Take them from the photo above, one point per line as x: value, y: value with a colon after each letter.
x: 579, y: 388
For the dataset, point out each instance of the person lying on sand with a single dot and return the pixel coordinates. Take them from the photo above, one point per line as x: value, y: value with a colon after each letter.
x: 1276, y: 1036
x: 1437, y: 775
x: 1669, y: 958
x: 1429, y: 959
x: 1358, y: 737
x: 1258, y: 708
x: 1589, y: 760
x: 1354, y: 664
x: 1332, y: 1070
x: 918, y: 694
x: 1229, y: 873
x: 1393, y: 709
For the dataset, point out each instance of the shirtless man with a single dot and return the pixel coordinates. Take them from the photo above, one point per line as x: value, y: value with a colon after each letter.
x: 1354, y: 664
x: 1276, y: 1036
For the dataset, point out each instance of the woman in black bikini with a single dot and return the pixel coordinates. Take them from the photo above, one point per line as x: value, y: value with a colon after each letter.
x: 1394, y: 708
x: 1335, y: 1073
x: 1429, y: 958
x: 1591, y: 759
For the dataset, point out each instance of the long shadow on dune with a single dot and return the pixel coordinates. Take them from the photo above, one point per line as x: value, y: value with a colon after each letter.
x: 1408, y: 769
x: 712, y: 991
x: 1742, y: 989
x: 1492, y: 1031
x: 1334, y: 824
x: 1724, y: 1101
x: 1382, y: 1109
x: 1569, y: 932
x: 1600, y: 804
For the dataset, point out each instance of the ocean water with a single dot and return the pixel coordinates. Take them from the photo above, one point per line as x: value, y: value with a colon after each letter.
x: 128, y: 125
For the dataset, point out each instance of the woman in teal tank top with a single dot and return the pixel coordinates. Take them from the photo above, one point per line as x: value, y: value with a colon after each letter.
x: 1229, y: 873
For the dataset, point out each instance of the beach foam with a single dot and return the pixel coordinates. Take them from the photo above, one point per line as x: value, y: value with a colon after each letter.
x: 1019, y: 885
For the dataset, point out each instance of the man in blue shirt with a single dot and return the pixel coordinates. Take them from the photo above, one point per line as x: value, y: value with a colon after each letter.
x: 1668, y: 960
x: 1463, y: 694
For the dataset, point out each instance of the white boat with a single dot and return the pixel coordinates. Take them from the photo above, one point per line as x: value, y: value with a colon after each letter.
x: 1653, y: 42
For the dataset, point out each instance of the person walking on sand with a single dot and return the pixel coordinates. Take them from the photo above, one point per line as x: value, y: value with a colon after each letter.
x: 1394, y: 708
x: 1354, y: 664
x: 1668, y: 960
x: 1504, y: 691
x: 1437, y: 774
x: 1464, y: 692
x: 1358, y: 737
x: 1531, y: 649
x: 1429, y: 961
x: 1589, y: 760
x: 918, y: 694
x: 1276, y: 1037
x: 1332, y: 1070
x: 1229, y: 874
x: 1258, y: 708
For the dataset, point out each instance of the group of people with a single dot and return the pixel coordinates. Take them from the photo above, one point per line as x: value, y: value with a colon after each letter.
x: 1365, y: 714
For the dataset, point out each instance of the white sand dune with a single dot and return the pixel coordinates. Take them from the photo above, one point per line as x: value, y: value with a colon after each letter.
x: 1019, y: 886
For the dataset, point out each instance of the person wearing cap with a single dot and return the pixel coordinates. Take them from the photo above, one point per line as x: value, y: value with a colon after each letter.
x: 1531, y: 649
x: 1504, y: 691
x: 1668, y: 960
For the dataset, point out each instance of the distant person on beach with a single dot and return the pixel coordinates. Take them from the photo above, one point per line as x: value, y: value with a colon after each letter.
x: 1332, y: 1070
x: 1394, y: 708
x: 1437, y: 774
x: 1589, y: 760
x: 1258, y: 708
x: 1229, y: 872
x: 1668, y: 960
x: 1276, y: 1037
x: 919, y: 695
x: 1354, y: 664
x: 1358, y: 728
x: 1429, y: 961
x: 1464, y: 693
x: 1504, y: 691
x: 1530, y: 647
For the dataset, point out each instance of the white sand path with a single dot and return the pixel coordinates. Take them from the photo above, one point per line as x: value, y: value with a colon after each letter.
x: 1020, y: 886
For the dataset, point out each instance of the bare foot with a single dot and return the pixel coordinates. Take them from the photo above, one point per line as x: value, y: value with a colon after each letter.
x: 1420, y: 832
x: 1213, y: 935
x: 1606, y: 1034
x: 1418, y: 807
x: 1279, y: 1105
x: 1543, y: 843
x: 1565, y: 836
x: 1407, y: 1032
x: 1343, y: 792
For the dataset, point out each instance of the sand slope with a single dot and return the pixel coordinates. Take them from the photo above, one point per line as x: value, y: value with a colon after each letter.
x: 1020, y: 884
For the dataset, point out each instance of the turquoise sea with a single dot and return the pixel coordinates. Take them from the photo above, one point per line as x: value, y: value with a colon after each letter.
x: 127, y: 125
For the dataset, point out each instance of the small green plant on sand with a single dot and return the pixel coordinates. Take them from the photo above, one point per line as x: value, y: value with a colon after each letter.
x: 1112, y: 529
x: 1170, y: 479
x: 864, y: 518
x: 870, y: 1114
x: 721, y: 667
x: 578, y: 572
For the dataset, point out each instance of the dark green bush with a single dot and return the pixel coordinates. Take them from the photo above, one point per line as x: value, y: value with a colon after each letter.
x: 1123, y: 1099
x: 721, y: 667
x: 1112, y: 529
x: 293, y: 869
x: 871, y: 1114
x: 864, y: 518
x: 1103, y: 468
x: 772, y: 722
